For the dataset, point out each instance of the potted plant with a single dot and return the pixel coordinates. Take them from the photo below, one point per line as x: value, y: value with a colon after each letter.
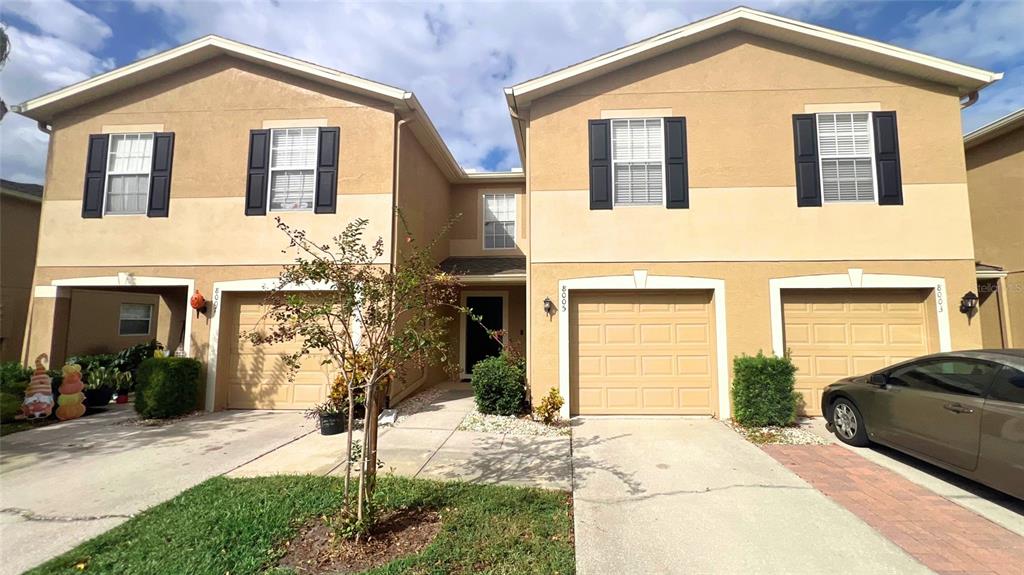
x: 331, y: 416
x: 122, y: 385
x: 100, y: 385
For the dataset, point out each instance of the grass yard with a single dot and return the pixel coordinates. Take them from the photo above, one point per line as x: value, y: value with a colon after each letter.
x: 238, y: 526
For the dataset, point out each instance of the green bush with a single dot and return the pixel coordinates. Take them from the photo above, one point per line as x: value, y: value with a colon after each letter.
x: 10, y: 405
x: 499, y: 386
x: 12, y: 373
x: 762, y: 390
x: 167, y: 387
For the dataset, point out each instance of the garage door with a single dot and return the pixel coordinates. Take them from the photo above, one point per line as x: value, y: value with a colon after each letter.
x: 256, y: 376
x: 836, y: 333
x: 641, y: 353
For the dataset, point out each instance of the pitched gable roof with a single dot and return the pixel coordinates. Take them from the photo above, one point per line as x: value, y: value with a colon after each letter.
x: 45, y: 107
x: 880, y: 54
x: 995, y: 129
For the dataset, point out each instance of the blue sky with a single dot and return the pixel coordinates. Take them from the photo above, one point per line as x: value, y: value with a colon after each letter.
x: 458, y: 56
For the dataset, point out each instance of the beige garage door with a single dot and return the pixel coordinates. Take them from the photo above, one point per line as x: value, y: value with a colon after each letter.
x: 257, y: 377
x: 642, y: 353
x: 833, y: 334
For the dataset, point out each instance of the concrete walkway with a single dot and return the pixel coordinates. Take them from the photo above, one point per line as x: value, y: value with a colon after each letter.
x: 674, y: 495
x: 65, y: 483
x: 427, y: 444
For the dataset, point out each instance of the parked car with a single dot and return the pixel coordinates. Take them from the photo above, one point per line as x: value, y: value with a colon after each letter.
x: 962, y: 411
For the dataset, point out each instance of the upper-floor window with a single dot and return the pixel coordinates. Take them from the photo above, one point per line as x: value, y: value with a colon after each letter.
x: 129, y: 161
x: 292, y: 168
x: 846, y: 154
x: 499, y: 221
x: 638, y: 161
x: 135, y: 319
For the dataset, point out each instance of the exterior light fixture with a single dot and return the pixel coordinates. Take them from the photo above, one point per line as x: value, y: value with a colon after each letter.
x: 969, y: 304
x: 549, y: 307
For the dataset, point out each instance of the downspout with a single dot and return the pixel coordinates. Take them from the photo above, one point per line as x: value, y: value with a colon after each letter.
x: 394, y: 191
x: 972, y: 98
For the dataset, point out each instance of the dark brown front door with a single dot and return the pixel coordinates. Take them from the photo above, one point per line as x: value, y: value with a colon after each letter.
x: 479, y: 344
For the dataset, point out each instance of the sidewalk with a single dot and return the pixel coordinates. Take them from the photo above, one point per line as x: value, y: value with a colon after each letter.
x: 427, y: 444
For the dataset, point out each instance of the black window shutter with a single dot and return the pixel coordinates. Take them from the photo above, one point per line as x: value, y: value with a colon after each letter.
x: 805, y: 147
x: 160, y: 175
x: 95, y: 176
x: 259, y: 171
x: 600, y: 165
x: 677, y: 179
x: 887, y: 159
x: 326, y: 195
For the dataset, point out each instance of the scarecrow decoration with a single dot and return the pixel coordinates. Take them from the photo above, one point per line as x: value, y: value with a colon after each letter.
x: 71, y: 400
x: 38, y: 402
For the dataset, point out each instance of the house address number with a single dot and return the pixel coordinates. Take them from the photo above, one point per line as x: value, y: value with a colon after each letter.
x: 563, y: 299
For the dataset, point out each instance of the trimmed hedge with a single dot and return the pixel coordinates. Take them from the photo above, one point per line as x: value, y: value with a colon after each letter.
x: 167, y: 387
x: 762, y: 390
x: 499, y: 386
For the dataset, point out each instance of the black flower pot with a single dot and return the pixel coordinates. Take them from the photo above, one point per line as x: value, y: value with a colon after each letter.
x: 98, y: 397
x: 333, y: 423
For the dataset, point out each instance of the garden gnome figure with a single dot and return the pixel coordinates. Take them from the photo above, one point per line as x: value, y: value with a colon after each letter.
x: 38, y: 402
x: 70, y: 403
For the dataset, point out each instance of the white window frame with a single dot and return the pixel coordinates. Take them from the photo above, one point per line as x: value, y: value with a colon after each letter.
x: 614, y: 162
x: 871, y: 148
x: 107, y: 172
x: 271, y: 169
x: 483, y: 217
x: 121, y: 318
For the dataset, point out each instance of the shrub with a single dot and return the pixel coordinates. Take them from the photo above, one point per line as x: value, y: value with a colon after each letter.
x: 499, y: 386
x: 12, y: 373
x: 762, y: 390
x: 167, y: 387
x: 10, y: 404
x: 548, y: 408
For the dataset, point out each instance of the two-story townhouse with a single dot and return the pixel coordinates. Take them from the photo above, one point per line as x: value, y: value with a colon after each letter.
x: 995, y: 181
x: 166, y: 177
x: 19, y: 228
x: 746, y: 182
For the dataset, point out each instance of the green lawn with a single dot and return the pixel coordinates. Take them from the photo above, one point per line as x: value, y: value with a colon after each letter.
x: 237, y: 526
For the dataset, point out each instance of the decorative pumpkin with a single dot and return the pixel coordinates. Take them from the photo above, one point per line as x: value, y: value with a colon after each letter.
x: 71, y: 400
x: 38, y: 402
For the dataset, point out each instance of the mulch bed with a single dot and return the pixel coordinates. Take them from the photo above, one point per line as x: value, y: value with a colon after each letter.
x: 317, y: 549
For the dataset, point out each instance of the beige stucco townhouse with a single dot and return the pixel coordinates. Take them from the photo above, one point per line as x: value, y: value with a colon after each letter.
x: 995, y: 181
x: 746, y: 182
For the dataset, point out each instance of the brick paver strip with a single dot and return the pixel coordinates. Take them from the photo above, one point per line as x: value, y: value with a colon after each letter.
x: 942, y: 535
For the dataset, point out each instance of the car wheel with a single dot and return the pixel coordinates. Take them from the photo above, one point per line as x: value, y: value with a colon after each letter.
x: 848, y: 423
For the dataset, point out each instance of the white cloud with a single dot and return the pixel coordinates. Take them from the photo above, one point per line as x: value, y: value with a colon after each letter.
x: 62, y: 19
x: 37, y: 64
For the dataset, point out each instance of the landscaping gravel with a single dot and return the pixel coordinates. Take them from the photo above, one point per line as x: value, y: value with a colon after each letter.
x: 511, y: 425
x: 798, y: 434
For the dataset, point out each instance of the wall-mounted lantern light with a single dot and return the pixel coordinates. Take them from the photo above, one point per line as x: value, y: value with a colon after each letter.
x: 969, y: 304
x: 549, y: 307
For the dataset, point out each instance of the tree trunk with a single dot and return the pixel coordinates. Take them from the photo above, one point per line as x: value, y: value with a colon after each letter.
x: 348, y: 450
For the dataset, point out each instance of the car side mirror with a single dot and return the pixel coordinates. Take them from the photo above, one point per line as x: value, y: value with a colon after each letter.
x: 879, y: 379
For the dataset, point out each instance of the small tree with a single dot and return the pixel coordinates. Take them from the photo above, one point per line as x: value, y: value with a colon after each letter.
x: 369, y: 318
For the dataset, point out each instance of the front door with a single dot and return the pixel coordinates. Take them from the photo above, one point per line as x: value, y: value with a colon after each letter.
x: 934, y: 408
x: 479, y: 344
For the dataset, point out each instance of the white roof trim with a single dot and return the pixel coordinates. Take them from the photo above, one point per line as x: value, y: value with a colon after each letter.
x: 44, y: 107
x: 37, y: 108
x: 994, y: 129
x: 944, y: 71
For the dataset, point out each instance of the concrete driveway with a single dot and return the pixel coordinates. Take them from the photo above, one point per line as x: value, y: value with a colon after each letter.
x: 65, y: 483
x: 673, y: 495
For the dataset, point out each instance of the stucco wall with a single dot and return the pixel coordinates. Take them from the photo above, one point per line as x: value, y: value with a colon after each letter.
x: 211, y: 107
x: 423, y: 196
x: 747, y: 303
x: 738, y: 93
x: 467, y: 235
x: 19, y: 229
x: 995, y: 178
